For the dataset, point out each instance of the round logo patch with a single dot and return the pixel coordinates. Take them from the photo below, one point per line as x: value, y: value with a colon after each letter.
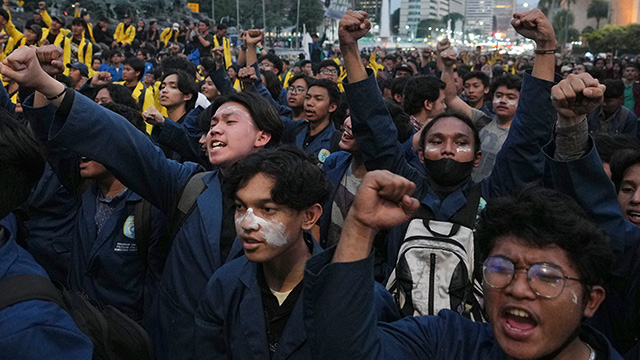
x: 323, y: 155
x: 128, y: 229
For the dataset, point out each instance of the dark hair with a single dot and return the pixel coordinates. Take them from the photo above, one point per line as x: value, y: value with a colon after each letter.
x: 136, y: 64
x: 304, y: 62
x: 221, y: 26
x: 607, y: 145
x: 452, y: 114
x: 21, y: 160
x: 419, y: 89
x: 298, y: 182
x: 207, y: 63
x: 204, y: 119
x: 398, y: 85
x: 620, y: 162
x: 119, y: 95
x: 263, y: 114
x: 272, y: 84
x: 274, y: 59
x: 179, y: 63
x: 186, y: 85
x: 511, y: 81
x: 540, y: 218
x: 307, y: 79
x: 79, y: 21
x: 133, y: 115
x: 632, y: 64
x: 144, y: 51
x: 5, y: 14
x: 332, y: 89
x: 206, y: 22
x: 329, y: 63
x: 615, y: 88
x: 401, y: 119
x: 477, y: 75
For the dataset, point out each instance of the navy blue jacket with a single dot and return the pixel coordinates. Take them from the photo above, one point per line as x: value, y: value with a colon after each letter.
x: 230, y: 320
x: 623, y: 121
x: 35, y: 329
x: 584, y: 179
x: 519, y: 162
x: 340, y: 320
x: 183, y: 138
x: 195, y: 253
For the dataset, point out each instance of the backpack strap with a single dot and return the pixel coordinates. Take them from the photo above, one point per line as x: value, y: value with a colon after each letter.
x: 187, y: 201
x: 142, y: 226
x: 19, y: 288
x: 467, y: 215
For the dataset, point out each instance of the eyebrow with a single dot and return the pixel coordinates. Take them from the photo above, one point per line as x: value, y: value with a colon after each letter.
x: 259, y: 202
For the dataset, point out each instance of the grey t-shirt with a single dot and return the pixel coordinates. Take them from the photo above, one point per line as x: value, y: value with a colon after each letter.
x: 492, y: 137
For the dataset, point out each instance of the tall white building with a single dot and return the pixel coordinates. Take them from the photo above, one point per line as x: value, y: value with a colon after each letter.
x: 479, y: 15
x: 414, y: 11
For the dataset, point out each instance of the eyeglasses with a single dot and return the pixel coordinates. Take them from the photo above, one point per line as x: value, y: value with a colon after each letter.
x: 296, y: 90
x: 326, y: 71
x: 546, y: 280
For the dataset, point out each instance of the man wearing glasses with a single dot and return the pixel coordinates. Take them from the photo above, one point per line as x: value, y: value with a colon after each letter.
x: 329, y: 70
x: 296, y: 93
x: 544, y: 273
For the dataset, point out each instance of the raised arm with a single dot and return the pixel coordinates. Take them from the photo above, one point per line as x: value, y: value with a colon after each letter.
x: 520, y: 161
x: 85, y: 127
x: 447, y: 56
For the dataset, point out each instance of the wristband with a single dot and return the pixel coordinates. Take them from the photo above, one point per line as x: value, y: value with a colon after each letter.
x: 544, y: 52
x: 57, y: 96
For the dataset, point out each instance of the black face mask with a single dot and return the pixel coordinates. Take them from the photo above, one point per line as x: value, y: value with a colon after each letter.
x: 448, y: 172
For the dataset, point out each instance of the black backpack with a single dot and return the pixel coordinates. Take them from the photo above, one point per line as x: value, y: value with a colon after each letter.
x: 114, y: 335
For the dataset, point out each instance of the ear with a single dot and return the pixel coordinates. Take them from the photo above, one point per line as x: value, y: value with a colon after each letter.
x: 421, y: 155
x: 262, y: 139
x: 187, y: 97
x: 594, y: 299
x: 486, y: 90
x: 476, y: 161
x: 311, y: 216
x: 397, y: 98
x: 428, y: 105
x: 333, y: 107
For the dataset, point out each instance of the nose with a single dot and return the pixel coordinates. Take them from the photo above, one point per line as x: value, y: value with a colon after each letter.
x: 635, y: 199
x: 248, y: 221
x: 519, y: 287
x: 448, y: 150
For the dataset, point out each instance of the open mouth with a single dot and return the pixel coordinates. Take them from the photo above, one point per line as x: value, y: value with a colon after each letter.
x: 518, y: 323
x: 217, y: 145
x: 346, y: 135
x: 633, y: 216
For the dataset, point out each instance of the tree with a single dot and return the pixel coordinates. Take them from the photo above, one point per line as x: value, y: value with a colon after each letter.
x: 395, y: 21
x: 612, y: 38
x: 424, y: 25
x: 598, y: 9
x: 454, y: 17
x: 311, y: 14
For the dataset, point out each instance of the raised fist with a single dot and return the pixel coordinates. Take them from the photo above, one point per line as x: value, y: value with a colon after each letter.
x: 353, y: 26
x: 576, y: 96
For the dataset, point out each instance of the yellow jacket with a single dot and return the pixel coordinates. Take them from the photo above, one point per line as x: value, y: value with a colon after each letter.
x: 124, y: 36
x: 169, y: 35
x: 85, y: 52
x: 374, y: 64
x: 156, y: 99
x: 7, y: 48
x: 227, y: 49
x: 287, y: 78
x: 144, y: 93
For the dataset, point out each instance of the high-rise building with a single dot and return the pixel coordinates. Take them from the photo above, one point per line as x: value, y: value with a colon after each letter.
x: 372, y: 7
x: 479, y: 15
x: 503, y: 13
x: 624, y: 12
x: 414, y: 11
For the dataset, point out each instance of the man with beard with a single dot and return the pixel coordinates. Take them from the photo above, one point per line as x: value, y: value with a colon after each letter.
x: 449, y: 145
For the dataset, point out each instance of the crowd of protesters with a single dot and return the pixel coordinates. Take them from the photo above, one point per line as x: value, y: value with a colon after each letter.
x: 235, y: 204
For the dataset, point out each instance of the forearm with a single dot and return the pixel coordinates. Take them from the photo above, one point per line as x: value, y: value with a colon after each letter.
x: 252, y: 54
x: 451, y: 94
x: 545, y: 64
x: 353, y: 63
x: 356, y: 241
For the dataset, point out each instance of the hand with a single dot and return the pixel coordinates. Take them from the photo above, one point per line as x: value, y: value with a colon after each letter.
x: 218, y: 54
x: 534, y: 25
x: 353, y: 26
x: 247, y: 75
x: 253, y: 37
x: 575, y: 97
x: 3, y: 38
x: 448, y: 57
x: 50, y: 58
x: 443, y: 45
x: 23, y: 67
x: 101, y: 78
x: 383, y: 201
x: 41, y: 5
x: 153, y: 116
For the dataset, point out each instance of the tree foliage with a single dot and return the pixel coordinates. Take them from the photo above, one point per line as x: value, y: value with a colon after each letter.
x: 454, y: 17
x: 311, y: 14
x: 598, y: 9
x: 611, y: 38
x: 424, y: 25
x: 395, y: 21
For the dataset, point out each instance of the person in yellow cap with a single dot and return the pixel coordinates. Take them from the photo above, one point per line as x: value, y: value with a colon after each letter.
x: 170, y: 34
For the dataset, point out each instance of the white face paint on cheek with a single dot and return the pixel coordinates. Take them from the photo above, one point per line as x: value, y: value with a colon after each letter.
x: 463, y: 149
x: 575, y: 297
x: 272, y: 231
x: 431, y: 148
